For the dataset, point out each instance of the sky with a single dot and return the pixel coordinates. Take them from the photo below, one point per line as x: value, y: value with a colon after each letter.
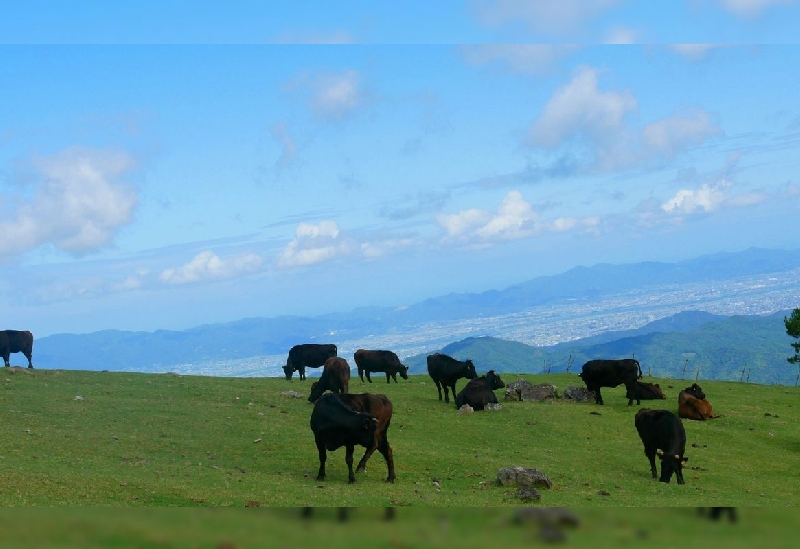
x: 167, y: 164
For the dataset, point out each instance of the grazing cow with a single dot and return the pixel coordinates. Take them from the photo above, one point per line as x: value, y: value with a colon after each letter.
x: 611, y: 373
x: 340, y: 428
x: 692, y: 404
x: 335, y: 378
x: 480, y: 391
x: 445, y: 371
x: 645, y: 391
x: 662, y: 433
x: 312, y: 355
x: 14, y: 341
x: 379, y: 361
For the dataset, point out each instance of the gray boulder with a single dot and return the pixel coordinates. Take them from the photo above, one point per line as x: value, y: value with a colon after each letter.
x: 579, y: 394
x: 522, y: 476
x: 524, y: 390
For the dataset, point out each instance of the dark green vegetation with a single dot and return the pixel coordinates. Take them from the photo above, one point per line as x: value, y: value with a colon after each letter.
x: 464, y: 528
x: 167, y: 440
x: 739, y: 348
x: 792, y: 324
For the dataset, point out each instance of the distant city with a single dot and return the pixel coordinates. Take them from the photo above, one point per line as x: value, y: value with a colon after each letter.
x: 551, y: 324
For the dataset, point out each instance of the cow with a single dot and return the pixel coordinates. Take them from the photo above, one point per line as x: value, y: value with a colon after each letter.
x: 312, y: 355
x: 645, y: 391
x: 480, y: 391
x: 611, y: 373
x: 379, y: 361
x: 14, y: 341
x: 445, y: 371
x: 343, y: 513
x: 333, y: 428
x: 335, y: 378
x: 662, y: 433
x: 692, y: 404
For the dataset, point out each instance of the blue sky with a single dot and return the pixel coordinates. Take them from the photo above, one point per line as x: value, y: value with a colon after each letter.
x: 169, y: 164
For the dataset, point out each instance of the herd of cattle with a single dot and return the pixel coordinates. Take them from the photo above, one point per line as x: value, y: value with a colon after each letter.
x: 343, y: 419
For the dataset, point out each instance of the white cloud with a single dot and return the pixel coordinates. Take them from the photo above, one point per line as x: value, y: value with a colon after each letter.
x: 315, y: 244
x: 78, y: 206
x: 336, y: 95
x: 543, y: 16
x: 580, y: 108
x: 749, y: 9
x: 515, y: 219
x: 672, y: 134
x: 621, y: 35
x: 705, y: 199
x: 520, y: 58
x: 694, y: 52
x: 208, y: 266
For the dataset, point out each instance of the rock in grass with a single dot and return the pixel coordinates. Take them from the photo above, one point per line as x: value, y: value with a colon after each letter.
x: 523, y: 477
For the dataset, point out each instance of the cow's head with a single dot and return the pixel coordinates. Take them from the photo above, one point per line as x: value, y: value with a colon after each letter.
x: 315, y: 392
x: 494, y: 380
x: 366, y: 434
x: 470, y: 372
x: 288, y: 370
x: 671, y: 464
x: 403, y: 371
x: 696, y: 391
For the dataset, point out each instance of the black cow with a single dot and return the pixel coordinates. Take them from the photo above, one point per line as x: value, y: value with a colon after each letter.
x: 480, y: 391
x: 611, y: 373
x: 379, y: 361
x: 645, y: 391
x: 334, y: 428
x: 662, y: 433
x: 312, y: 355
x: 335, y: 378
x: 445, y: 371
x: 14, y: 341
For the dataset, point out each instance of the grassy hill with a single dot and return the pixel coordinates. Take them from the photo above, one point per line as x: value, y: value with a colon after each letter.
x: 82, y: 438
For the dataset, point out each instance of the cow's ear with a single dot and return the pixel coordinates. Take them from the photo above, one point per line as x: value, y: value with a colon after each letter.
x: 367, y: 423
x: 660, y: 453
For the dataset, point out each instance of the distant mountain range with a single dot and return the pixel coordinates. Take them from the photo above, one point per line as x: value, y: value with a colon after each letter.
x: 439, y: 322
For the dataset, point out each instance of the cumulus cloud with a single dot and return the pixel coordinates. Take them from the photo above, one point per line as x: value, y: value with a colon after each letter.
x: 514, y: 219
x: 207, y: 266
x: 78, y: 204
x: 520, y: 58
x: 552, y: 18
x: 579, y: 107
x: 706, y: 198
x: 750, y: 9
x: 579, y: 112
x: 679, y: 131
x: 315, y: 244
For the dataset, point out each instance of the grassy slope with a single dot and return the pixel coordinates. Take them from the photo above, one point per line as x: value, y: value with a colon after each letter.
x: 167, y: 440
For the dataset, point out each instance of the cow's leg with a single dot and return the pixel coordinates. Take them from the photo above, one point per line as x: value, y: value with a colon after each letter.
x: 323, y: 456
x: 439, y: 389
x: 29, y: 355
x: 651, y: 455
x: 679, y: 474
x: 369, y: 378
x: 5, y: 358
x: 453, y: 389
x: 348, y: 459
x: 386, y: 450
x: 361, y: 373
x: 598, y: 398
x: 362, y: 465
x: 302, y: 370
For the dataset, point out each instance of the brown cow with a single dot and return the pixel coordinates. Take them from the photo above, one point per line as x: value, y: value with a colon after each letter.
x: 377, y: 406
x: 692, y: 404
x: 335, y: 378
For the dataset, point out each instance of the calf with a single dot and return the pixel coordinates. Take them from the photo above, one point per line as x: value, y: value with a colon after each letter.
x: 335, y: 378
x: 692, y: 404
x: 379, y: 361
x: 377, y: 406
x: 14, y: 341
x: 480, y: 392
x: 662, y: 433
x: 645, y: 391
x: 611, y: 373
x: 445, y: 371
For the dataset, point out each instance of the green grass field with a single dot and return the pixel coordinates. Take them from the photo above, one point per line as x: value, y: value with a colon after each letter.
x: 147, y: 440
